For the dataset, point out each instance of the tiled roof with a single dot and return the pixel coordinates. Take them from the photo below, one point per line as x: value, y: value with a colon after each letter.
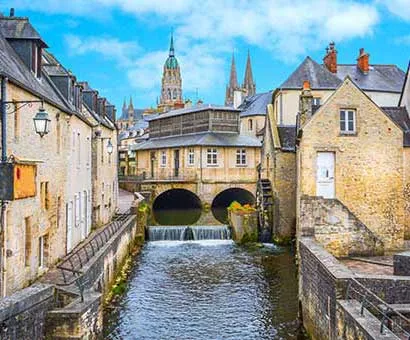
x: 319, y: 77
x: 255, y: 105
x: 402, y: 118
x: 287, y: 136
x: 19, y: 28
x: 386, y: 78
x: 196, y: 108
x: 12, y: 66
x: 204, y: 139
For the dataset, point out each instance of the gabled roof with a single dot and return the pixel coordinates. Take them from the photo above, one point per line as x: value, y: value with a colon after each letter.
x: 19, y: 28
x: 256, y: 104
x: 401, y: 117
x: 12, y: 67
x: 319, y: 77
x: 52, y: 66
x: 385, y: 78
x: 204, y: 139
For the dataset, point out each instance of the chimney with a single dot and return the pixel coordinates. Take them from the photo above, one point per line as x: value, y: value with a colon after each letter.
x: 11, y: 12
x: 363, y: 61
x: 305, y: 103
x: 238, y: 96
x: 330, y: 59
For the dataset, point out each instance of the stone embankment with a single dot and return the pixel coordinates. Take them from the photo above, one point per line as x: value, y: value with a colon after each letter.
x: 67, y: 302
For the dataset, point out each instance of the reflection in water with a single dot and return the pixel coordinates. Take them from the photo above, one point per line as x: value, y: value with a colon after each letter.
x: 207, y: 290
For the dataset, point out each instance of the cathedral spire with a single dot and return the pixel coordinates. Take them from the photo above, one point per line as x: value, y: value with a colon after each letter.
x: 131, y: 106
x: 248, y: 83
x: 171, y: 47
x: 233, y: 79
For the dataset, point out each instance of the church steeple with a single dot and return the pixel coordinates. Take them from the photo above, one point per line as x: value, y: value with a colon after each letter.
x: 248, y: 83
x: 131, y: 106
x: 233, y: 83
x: 171, y: 46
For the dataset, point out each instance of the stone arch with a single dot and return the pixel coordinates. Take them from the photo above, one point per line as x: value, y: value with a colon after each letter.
x: 222, y: 201
x: 176, y: 207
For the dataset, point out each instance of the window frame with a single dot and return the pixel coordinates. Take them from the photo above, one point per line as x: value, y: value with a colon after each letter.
x: 191, y: 157
x: 212, y: 157
x: 241, y: 158
x: 345, y: 130
x: 163, y: 159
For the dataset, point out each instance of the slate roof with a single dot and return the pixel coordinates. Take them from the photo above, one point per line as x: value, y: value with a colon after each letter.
x: 386, y: 78
x: 319, y: 77
x: 256, y: 104
x: 12, y: 67
x: 287, y: 136
x: 52, y: 66
x: 401, y: 117
x: 197, y: 108
x: 19, y: 28
x: 204, y: 139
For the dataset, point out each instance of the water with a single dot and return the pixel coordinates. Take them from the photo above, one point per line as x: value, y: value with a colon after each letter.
x: 207, y: 290
x: 181, y: 233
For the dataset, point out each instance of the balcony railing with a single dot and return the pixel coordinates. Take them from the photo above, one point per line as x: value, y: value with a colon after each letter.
x: 162, y: 176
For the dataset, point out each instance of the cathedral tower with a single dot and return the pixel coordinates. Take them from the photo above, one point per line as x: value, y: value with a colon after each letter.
x: 233, y: 84
x: 171, y: 91
x: 248, y: 83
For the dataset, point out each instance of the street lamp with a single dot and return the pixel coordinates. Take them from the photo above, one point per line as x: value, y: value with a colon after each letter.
x: 110, y: 147
x: 42, y: 122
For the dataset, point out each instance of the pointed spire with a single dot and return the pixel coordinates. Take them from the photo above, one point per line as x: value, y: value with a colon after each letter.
x: 233, y: 79
x: 171, y: 47
x: 124, y: 106
x: 248, y: 83
x: 131, y: 106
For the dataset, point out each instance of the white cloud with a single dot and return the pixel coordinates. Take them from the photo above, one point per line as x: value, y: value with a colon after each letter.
x: 110, y: 48
x: 401, y: 8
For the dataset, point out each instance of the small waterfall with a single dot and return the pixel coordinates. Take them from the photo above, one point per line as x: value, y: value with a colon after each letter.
x: 188, y: 233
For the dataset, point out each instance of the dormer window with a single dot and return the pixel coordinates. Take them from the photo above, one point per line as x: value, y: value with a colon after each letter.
x: 36, y: 57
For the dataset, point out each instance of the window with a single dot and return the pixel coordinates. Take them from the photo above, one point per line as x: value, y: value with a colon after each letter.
x: 191, y: 157
x: 163, y: 158
x: 212, y: 157
x: 78, y: 150
x: 347, y: 121
x: 27, y: 249
x: 36, y: 60
x: 44, y: 195
x: 241, y: 157
x: 250, y: 125
x: 43, y: 251
x: 316, y: 101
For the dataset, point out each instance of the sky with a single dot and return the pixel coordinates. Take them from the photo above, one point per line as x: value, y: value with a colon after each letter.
x: 120, y: 46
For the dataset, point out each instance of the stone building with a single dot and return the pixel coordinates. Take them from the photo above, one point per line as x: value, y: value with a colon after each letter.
x: 199, y: 149
x: 171, y: 85
x: 382, y: 83
x: 50, y: 213
x: 352, y: 150
x: 234, y: 93
x: 129, y: 116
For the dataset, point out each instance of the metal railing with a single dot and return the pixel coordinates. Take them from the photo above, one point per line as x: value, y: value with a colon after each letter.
x: 71, y: 267
x: 389, y: 318
x: 170, y: 175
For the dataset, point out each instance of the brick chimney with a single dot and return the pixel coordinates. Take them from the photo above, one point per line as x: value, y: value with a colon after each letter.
x: 330, y: 59
x: 305, y: 103
x: 363, y: 61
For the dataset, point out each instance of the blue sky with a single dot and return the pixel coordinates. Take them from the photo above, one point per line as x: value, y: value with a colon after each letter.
x: 120, y: 46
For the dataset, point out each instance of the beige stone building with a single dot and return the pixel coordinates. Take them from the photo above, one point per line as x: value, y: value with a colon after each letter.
x: 382, y: 83
x: 50, y: 211
x: 352, y: 150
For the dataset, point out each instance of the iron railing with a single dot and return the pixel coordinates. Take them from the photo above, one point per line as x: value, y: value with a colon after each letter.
x: 163, y: 176
x: 72, y: 265
x: 388, y: 316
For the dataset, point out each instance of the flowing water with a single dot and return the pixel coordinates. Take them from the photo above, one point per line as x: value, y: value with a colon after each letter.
x: 188, y: 233
x: 208, y: 289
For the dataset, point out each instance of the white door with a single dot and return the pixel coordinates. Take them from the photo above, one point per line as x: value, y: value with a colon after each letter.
x: 69, y: 212
x: 325, y: 177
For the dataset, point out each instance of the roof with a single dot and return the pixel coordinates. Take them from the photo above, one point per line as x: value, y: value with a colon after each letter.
x: 12, y: 67
x: 137, y: 114
x: 319, y: 77
x: 19, y: 28
x: 196, y: 108
x: 256, y: 104
x: 401, y: 117
x: 52, y: 66
x: 287, y: 136
x: 385, y: 78
x: 203, y: 139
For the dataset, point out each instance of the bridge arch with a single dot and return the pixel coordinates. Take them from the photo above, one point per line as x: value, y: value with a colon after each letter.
x: 176, y: 207
x: 222, y: 201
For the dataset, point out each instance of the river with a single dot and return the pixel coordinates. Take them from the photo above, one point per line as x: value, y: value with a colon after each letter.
x: 207, y: 290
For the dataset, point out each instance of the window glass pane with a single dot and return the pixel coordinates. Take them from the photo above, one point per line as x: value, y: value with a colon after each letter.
x: 351, y: 127
x: 351, y: 115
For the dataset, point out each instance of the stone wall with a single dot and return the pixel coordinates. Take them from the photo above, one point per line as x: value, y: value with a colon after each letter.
x: 370, y: 186
x: 335, y: 227
x: 244, y: 226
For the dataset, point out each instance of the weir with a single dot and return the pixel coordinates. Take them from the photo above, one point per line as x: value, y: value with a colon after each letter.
x: 188, y: 233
